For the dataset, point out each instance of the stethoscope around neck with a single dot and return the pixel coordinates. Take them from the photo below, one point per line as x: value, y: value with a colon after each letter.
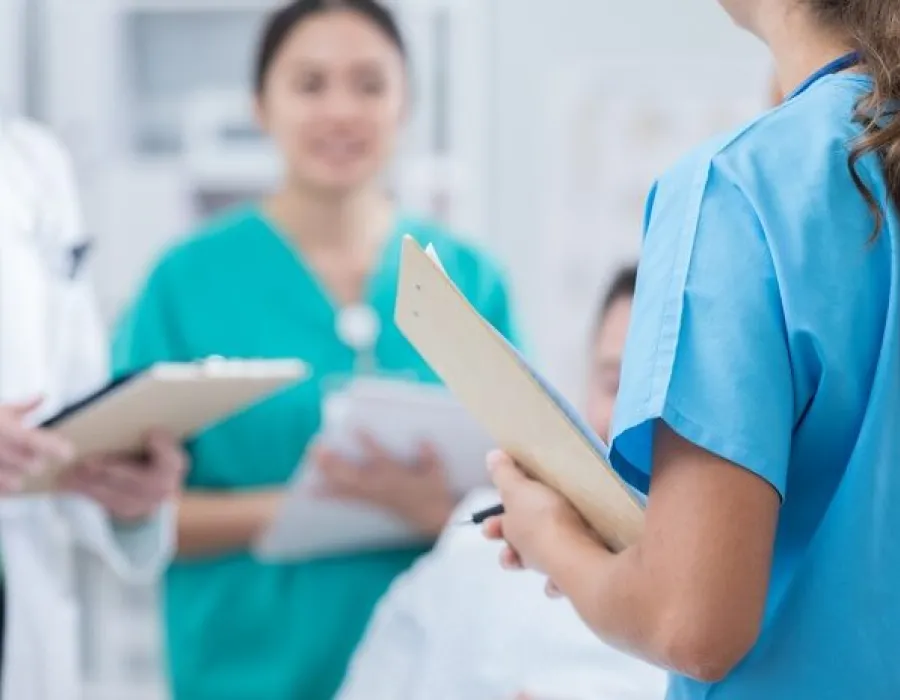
x: 358, y: 326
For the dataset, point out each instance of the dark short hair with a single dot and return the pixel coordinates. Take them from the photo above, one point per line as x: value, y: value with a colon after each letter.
x: 622, y: 286
x: 284, y: 20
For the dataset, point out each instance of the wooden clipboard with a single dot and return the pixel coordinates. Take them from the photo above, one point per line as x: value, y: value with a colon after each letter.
x: 518, y: 409
x: 180, y: 398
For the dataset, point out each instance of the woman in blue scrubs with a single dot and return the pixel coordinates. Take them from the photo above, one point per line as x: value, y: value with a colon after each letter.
x: 760, y: 398
x: 310, y: 273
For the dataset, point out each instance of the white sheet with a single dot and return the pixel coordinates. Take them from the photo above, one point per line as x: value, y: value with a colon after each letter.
x: 457, y: 626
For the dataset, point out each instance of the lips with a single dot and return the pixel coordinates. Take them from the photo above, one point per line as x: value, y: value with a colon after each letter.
x: 339, y: 151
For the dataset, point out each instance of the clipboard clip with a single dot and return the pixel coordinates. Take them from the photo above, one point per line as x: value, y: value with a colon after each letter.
x: 217, y: 366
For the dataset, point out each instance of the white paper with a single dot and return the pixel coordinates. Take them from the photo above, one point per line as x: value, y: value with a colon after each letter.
x: 432, y: 253
x: 400, y: 416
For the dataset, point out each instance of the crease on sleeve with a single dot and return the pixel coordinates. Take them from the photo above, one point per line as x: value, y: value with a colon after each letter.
x: 707, y: 349
x: 137, y: 553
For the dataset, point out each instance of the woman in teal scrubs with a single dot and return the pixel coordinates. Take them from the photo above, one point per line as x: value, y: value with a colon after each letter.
x: 307, y: 274
x: 760, y: 396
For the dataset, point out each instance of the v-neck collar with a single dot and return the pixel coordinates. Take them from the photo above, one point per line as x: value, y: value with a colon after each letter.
x: 376, y: 278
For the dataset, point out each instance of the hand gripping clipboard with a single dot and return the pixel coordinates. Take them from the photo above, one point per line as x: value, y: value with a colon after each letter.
x: 180, y: 398
x: 520, y: 410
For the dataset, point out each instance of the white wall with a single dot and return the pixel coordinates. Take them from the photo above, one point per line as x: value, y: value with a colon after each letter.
x: 683, y: 48
x: 12, y: 53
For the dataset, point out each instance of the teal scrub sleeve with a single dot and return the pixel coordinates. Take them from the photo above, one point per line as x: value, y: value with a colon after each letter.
x: 707, y: 350
x: 494, y: 300
x: 146, y: 333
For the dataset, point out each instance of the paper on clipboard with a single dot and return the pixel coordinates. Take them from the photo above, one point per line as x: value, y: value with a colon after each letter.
x: 519, y: 409
x: 178, y: 398
x: 400, y: 415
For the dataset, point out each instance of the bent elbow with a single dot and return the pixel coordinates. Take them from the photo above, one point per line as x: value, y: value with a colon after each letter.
x: 705, y: 667
x: 707, y: 653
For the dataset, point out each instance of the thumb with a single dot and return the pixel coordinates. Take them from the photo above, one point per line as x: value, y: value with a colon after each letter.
x: 504, y: 472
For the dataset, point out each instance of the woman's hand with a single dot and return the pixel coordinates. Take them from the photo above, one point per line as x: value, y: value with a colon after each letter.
x: 535, y: 518
x: 26, y: 451
x: 131, y: 488
x: 417, y: 492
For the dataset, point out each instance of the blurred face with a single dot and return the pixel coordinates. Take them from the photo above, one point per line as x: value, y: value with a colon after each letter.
x: 333, y: 101
x: 606, y: 362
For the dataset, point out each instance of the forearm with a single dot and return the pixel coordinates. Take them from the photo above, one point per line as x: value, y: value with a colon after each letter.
x: 658, y: 615
x: 611, y: 594
x: 211, y: 523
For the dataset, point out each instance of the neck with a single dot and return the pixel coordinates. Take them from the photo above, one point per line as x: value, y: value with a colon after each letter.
x: 800, y: 47
x: 314, y: 219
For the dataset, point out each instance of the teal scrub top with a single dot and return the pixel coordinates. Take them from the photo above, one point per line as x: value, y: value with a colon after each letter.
x: 237, y: 628
x: 766, y: 330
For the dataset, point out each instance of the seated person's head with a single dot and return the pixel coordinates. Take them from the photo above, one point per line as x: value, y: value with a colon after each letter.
x: 607, y: 346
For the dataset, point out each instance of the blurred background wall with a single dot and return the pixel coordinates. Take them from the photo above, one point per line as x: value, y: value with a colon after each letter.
x: 536, y: 130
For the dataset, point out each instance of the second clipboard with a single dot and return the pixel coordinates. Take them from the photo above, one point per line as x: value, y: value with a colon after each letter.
x: 180, y: 398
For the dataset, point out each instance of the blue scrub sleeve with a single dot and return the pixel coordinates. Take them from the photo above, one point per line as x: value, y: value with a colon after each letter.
x: 707, y: 349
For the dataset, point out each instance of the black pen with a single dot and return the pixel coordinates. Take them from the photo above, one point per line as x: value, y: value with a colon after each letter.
x: 485, y: 514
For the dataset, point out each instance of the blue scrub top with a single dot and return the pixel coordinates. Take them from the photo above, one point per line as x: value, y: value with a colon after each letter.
x: 765, y: 330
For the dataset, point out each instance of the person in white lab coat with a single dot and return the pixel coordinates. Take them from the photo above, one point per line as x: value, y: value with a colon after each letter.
x: 53, y: 352
x: 457, y: 626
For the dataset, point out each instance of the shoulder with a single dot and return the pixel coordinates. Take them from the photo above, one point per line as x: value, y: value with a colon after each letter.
x: 41, y: 165
x: 43, y: 150
x: 468, y: 263
x: 778, y: 153
x: 768, y: 185
x: 212, y: 244
x: 42, y: 160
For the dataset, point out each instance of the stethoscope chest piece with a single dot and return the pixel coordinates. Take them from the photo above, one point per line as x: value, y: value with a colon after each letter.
x: 358, y: 327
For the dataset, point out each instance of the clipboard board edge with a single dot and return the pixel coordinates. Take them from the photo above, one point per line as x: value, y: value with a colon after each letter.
x: 412, y: 247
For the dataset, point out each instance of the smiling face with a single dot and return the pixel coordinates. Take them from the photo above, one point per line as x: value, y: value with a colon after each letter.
x: 333, y: 101
x: 606, y: 365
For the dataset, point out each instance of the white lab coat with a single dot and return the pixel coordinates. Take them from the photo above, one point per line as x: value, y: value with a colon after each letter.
x: 458, y: 626
x: 51, y: 344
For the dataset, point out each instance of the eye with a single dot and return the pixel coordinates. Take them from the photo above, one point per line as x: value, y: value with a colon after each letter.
x: 308, y: 82
x: 370, y: 82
